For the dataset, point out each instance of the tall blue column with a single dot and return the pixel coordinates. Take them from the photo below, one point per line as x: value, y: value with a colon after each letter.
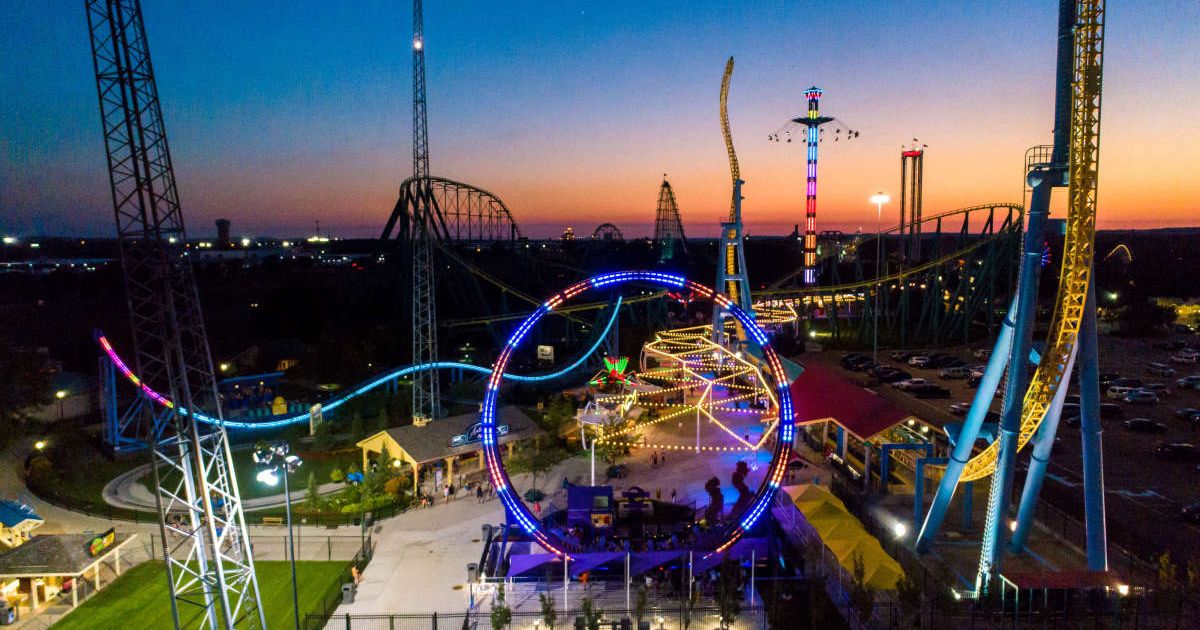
x: 1038, y: 462
x: 1090, y: 434
x: 1018, y: 371
x: 961, y: 452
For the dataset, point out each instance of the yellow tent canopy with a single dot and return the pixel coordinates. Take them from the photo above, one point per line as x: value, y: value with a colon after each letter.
x: 845, y: 536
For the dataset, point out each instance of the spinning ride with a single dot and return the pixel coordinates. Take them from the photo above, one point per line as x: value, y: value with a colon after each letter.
x: 727, y: 534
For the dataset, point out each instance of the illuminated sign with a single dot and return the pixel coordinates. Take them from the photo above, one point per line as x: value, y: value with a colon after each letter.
x: 545, y: 353
x: 99, y: 544
x: 475, y: 433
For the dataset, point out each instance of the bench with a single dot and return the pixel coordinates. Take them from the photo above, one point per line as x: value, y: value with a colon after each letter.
x: 273, y: 520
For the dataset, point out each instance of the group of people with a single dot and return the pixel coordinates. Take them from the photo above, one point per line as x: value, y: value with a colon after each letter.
x: 482, y: 491
x: 656, y: 459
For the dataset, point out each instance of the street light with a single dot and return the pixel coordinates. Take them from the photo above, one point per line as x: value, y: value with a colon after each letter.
x: 275, y: 461
x: 878, y: 199
x: 60, y: 395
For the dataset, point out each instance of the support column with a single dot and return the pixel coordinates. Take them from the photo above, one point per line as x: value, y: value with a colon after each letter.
x: 1091, y: 433
x: 416, y: 471
x: 74, y: 592
x: 450, y: 470
x: 117, y: 561
x: 841, y: 442
x: 480, y: 461
x: 965, y: 442
x: 97, y: 572
x: 866, y: 466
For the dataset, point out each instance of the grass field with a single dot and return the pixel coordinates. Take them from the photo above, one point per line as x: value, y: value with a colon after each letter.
x: 138, y: 599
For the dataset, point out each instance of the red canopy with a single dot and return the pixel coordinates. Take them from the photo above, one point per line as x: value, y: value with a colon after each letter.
x: 820, y: 394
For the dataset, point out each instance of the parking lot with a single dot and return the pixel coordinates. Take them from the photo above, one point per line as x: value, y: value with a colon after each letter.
x: 1144, y: 490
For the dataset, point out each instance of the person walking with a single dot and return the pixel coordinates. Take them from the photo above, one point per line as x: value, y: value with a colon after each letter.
x: 674, y: 492
x: 479, y: 493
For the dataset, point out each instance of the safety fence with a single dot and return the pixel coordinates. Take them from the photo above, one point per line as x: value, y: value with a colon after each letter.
x: 332, y: 596
x: 678, y: 617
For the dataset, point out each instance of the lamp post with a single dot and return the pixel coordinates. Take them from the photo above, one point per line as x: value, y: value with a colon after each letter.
x: 878, y: 199
x: 60, y: 395
x: 274, y: 459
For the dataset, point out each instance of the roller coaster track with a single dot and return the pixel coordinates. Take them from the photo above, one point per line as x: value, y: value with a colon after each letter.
x: 1079, y: 244
x: 464, y: 213
x: 1010, y: 222
x: 359, y: 389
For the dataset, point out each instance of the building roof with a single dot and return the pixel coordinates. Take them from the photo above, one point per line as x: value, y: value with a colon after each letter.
x: 820, y: 394
x: 13, y: 513
x: 55, y: 554
x: 432, y: 441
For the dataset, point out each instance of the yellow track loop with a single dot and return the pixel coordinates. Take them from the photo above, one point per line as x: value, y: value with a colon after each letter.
x: 1080, y: 238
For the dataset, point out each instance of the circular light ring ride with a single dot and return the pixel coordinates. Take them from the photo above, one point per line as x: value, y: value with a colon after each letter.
x: 491, y: 452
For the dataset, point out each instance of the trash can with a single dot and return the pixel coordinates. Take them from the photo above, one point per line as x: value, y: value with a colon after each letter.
x: 472, y: 571
x: 8, y: 614
x: 348, y: 592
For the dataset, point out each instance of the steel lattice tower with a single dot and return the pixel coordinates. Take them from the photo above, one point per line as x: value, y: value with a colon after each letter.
x: 668, y: 227
x: 812, y: 121
x: 425, y: 398
x: 209, y: 564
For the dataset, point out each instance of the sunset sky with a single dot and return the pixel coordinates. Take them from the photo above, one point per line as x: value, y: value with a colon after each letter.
x: 285, y: 112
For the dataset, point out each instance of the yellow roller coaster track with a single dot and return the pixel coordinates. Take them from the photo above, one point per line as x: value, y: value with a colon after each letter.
x: 1078, y: 247
x: 734, y: 171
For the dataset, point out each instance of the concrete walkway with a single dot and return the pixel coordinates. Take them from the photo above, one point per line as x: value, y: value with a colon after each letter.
x: 127, y: 491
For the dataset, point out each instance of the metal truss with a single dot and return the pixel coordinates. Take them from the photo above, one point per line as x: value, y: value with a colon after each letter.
x: 209, y: 564
x: 461, y: 212
x: 668, y: 227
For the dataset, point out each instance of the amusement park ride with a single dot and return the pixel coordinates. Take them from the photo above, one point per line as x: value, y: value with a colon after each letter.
x: 211, y: 568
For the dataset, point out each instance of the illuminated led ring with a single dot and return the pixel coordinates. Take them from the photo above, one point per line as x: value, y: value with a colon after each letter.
x: 499, y: 477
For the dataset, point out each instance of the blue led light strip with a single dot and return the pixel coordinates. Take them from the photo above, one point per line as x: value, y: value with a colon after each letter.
x: 367, y: 386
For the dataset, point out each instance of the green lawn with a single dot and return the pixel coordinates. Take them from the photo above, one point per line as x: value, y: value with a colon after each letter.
x: 138, y: 599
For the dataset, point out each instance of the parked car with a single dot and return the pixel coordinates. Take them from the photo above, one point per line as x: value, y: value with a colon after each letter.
x: 1177, y: 451
x: 1109, y: 411
x: 865, y: 366
x: 1188, y: 382
x: 1190, y: 512
x: 1141, y: 397
x: 1160, y: 389
x: 1072, y: 399
x: 919, y: 360
x: 1144, y: 425
x: 903, y: 355
x: 1106, y: 379
x: 954, y: 372
x: 974, y: 379
x: 982, y: 353
x: 960, y: 408
x: 852, y: 359
x: 1160, y: 369
x: 1186, y: 413
x: 1131, y: 383
x: 942, y: 360
x: 1188, y: 357
x: 887, y: 374
x: 1070, y: 410
x: 930, y: 391
x: 908, y: 384
x: 1117, y: 392
x: 1072, y: 421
